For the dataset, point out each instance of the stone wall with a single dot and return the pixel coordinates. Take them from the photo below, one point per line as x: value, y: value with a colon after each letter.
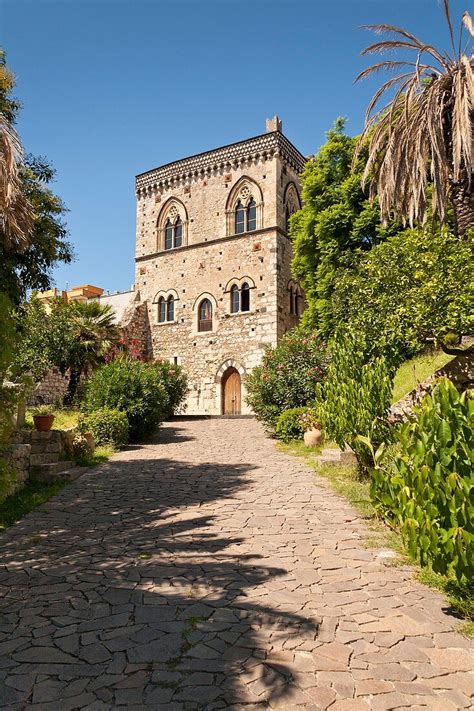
x: 52, y: 389
x: 460, y: 371
x: 17, y: 457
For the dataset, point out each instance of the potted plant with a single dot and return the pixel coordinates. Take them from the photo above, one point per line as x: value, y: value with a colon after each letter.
x: 312, y: 428
x: 43, y: 418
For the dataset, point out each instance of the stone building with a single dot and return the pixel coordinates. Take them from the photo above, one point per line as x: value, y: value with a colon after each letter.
x: 213, y: 262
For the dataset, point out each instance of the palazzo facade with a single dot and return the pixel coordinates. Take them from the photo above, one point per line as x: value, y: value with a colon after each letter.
x: 213, y: 262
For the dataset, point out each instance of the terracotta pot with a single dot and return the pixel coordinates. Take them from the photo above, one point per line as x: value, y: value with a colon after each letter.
x: 312, y: 437
x: 43, y: 423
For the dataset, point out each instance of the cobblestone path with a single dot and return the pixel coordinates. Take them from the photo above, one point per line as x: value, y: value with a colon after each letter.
x: 208, y: 570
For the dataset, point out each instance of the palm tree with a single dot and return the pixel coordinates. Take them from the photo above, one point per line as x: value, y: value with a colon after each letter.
x: 15, y: 209
x: 426, y: 131
x: 93, y: 333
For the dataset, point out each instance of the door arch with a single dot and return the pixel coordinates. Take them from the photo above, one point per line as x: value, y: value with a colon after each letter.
x: 231, y: 392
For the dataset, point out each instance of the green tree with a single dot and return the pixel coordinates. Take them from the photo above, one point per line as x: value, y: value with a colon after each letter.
x: 33, y: 236
x: 336, y: 219
x: 425, y: 131
x: 413, y: 289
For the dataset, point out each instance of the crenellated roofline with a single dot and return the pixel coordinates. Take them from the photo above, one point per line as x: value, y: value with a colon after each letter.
x: 229, y: 157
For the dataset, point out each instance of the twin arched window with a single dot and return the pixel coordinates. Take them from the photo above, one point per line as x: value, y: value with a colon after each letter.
x: 240, y: 298
x: 205, y: 316
x: 173, y: 234
x: 165, y: 309
x: 245, y: 217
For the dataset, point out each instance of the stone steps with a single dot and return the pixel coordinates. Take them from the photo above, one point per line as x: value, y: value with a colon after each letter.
x: 56, y: 471
x: 336, y: 456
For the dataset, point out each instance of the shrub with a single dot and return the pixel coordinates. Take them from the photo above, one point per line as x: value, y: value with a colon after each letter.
x: 175, y: 382
x: 133, y: 387
x: 356, y: 397
x: 81, y: 450
x: 426, y: 485
x: 107, y: 426
x: 289, y: 425
x: 287, y: 377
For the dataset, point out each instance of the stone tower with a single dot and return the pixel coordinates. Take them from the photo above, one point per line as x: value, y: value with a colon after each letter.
x: 213, y: 262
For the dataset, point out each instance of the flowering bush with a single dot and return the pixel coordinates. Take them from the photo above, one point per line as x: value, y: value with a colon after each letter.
x: 287, y: 377
x: 107, y: 426
x: 309, y: 419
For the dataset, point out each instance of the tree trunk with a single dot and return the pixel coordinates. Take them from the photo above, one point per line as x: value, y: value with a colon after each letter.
x: 463, y: 202
x: 72, y: 386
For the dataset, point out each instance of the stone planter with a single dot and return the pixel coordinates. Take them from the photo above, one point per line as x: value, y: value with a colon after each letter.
x: 312, y: 437
x: 43, y: 423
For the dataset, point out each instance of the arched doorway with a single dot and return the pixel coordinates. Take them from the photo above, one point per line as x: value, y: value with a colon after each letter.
x: 231, y: 392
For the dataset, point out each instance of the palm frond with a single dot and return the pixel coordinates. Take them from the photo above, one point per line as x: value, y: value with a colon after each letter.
x: 16, y: 213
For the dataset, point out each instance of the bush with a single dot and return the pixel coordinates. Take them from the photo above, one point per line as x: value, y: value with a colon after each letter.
x: 356, y: 396
x: 133, y: 387
x: 107, y: 426
x: 175, y: 382
x: 289, y: 425
x: 287, y: 377
x: 426, y: 485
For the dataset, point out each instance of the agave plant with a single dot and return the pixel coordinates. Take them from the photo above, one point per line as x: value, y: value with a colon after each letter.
x: 15, y: 208
x: 425, y: 133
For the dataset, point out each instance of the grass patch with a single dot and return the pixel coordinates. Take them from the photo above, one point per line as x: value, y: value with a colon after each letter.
x: 101, y: 454
x: 416, y: 370
x: 64, y: 418
x: 22, y: 502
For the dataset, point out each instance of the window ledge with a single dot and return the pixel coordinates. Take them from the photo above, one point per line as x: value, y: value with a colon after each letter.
x: 165, y: 323
x: 238, y: 313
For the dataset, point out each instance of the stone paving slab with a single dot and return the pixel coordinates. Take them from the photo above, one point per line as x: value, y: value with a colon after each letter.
x: 207, y: 571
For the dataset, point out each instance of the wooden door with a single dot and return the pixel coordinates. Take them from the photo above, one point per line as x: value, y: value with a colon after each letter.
x: 231, y: 393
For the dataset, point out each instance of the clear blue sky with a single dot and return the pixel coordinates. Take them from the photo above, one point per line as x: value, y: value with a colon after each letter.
x: 112, y: 88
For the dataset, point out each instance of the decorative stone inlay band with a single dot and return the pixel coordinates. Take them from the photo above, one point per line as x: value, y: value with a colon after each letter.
x: 264, y: 146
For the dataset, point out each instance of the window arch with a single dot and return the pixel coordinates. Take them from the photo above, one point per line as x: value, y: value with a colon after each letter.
x: 251, y: 215
x: 172, y: 225
x: 234, y: 299
x: 239, y: 218
x: 205, y: 315
x: 161, y: 310
x: 295, y: 297
x: 244, y: 207
x: 168, y: 235
x: 170, y: 308
x: 292, y: 203
x: 245, y: 297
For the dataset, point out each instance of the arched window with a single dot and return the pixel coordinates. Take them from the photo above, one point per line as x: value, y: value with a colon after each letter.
x: 297, y: 307
x: 287, y: 220
x: 239, y: 218
x: 234, y: 299
x: 178, y: 233
x: 245, y: 297
x: 205, y: 316
x: 251, y: 215
x: 170, y: 309
x: 161, y: 310
x: 168, y: 235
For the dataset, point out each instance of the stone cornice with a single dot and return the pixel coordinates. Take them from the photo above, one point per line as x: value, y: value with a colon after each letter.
x: 186, y: 247
x: 226, y: 158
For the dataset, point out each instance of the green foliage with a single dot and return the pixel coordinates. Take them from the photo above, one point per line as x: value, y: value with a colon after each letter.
x: 335, y: 220
x: 289, y: 425
x: 30, y: 268
x: 426, y: 484
x: 133, y: 387
x: 8, y: 477
x: 175, y: 382
x: 81, y: 451
x: 416, y: 370
x: 356, y: 396
x: 29, y: 497
x: 7, y: 341
x: 287, y: 377
x: 415, y: 287
x: 107, y: 426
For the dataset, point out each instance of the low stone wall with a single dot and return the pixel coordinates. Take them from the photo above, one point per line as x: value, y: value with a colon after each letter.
x: 17, y: 457
x: 45, y: 446
x: 52, y: 389
x: 460, y: 371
